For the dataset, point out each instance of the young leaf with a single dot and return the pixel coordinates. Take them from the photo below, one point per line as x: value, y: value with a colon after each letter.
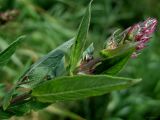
x: 51, y: 65
x: 8, y: 52
x: 106, y: 53
x: 79, y: 87
x: 114, y: 60
x: 80, y: 39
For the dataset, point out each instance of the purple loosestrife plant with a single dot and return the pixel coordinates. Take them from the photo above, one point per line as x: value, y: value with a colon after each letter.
x: 54, y: 79
x: 135, y: 36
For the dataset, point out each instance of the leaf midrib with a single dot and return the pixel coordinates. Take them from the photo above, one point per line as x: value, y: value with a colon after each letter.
x: 82, y: 90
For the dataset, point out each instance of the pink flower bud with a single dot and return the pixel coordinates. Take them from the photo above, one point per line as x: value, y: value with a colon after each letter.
x: 142, y: 32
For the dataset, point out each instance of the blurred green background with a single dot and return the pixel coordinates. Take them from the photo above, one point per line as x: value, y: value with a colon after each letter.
x: 48, y: 23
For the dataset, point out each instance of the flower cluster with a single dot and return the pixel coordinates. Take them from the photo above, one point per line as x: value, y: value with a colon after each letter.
x: 139, y: 33
x: 142, y: 32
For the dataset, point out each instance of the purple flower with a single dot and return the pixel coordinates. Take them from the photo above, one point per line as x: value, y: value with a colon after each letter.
x: 142, y: 32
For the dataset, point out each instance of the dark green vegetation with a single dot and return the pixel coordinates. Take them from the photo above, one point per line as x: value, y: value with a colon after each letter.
x: 49, y: 23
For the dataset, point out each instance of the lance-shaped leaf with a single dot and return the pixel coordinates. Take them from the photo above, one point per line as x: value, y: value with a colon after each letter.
x: 48, y: 67
x: 79, y: 87
x: 80, y: 39
x: 6, y: 54
x: 114, y: 60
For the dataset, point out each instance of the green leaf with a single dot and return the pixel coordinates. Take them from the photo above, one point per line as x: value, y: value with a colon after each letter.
x: 114, y: 60
x: 124, y: 48
x: 79, y: 87
x: 48, y: 67
x: 80, y: 39
x: 8, y: 52
x: 22, y: 108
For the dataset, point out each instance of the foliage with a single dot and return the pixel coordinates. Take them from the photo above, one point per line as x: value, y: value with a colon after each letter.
x: 48, y: 25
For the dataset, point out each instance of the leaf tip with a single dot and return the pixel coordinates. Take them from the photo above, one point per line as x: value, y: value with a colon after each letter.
x: 21, y: 37
x: 136, y: 81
